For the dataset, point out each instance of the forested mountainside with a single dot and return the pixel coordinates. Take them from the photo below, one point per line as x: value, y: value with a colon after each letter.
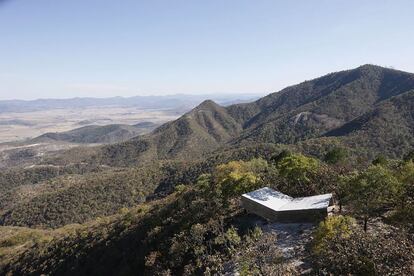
x: 326, y: 106
x: 28, y: 152
x: 199, y: 131
x: 51, y: 196
x: 387, y: 129
x: 167, y: 202
x: 368, y: 111
x: 314, y: 108
x: 201, y: 228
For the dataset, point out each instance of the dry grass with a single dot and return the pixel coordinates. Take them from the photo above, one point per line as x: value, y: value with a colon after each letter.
x: 15, y: 240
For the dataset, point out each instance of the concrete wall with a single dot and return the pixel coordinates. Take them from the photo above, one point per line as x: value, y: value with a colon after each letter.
x: 309, y: 215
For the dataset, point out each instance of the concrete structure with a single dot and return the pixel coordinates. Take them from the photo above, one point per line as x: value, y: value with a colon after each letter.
x: 275, y: 206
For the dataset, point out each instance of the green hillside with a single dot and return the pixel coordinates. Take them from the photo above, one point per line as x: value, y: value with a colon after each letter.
x: 387, y: 129
x: 368, y: 111
x: 97, y: 134
x: 312, y: 109
x: 167, y: 202
x: 52, y: 197
x: 201, y: 228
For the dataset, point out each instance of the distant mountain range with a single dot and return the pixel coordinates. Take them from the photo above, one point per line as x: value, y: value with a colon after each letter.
x: 370, y: 106
x: 144, y: 102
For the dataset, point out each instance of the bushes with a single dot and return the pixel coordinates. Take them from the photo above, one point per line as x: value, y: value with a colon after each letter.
x: 297, y: 167
x: 198, y: 228
x: 296, y: 173
x: 189, y: 232
x: 261, y: 256
x: 358, y: 253
x: 334, y: 226
x: 371, y: 192
x: 78, y: 198
x: 335, y: 155
x: 12, y: 178
x: 238, y: 177
x: 404, y: 213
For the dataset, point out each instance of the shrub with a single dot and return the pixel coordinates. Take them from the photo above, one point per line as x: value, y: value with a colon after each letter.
x: 262, y: 256
x: 362, y: 253
x: 330, y: 228
x: 372, y: 192
x: 335, y: 155
x: 380, y: 160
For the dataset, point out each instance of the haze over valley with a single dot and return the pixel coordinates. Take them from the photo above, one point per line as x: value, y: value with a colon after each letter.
x: 21, y: 120
x: 32, y: 130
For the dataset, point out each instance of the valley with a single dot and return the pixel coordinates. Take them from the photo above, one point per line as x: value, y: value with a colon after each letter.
x: 165, y: 186
x: 18, y: 126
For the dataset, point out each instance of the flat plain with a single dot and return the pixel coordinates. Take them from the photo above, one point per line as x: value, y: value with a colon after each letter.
x: 18, y: 126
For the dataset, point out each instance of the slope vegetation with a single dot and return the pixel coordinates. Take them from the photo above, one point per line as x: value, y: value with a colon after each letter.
x: 95, y: 134
x: 311, y: 110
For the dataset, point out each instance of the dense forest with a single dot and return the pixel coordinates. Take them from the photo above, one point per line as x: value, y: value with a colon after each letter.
x: 168, y: 202
x: 201, y: 228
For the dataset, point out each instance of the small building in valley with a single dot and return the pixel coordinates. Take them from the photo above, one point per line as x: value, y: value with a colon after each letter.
x: 278, y: 207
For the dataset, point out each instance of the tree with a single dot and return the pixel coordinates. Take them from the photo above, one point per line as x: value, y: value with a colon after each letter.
x: 405, y: 210
x: 409, y: 156
x: 380, y: 160
x: 278, y: 157
x: 406, y: 176
x: 238, y: 177
x: 335, y: 155
x: 371, y: 192
x: 330, y: 228
x: 341, y: 189
x: 297, y: 169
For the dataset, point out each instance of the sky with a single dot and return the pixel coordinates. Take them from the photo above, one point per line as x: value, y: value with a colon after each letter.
x: 102, y: 48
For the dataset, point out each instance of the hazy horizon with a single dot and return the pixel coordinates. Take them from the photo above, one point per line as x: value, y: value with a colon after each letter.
x: 68, y: 49
x: 218, y: 95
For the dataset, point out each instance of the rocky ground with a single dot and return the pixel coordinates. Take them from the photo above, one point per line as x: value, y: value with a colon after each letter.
x: 292, y: 239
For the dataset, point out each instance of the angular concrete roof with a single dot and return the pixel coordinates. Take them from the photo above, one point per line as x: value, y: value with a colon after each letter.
x: 280, y: 202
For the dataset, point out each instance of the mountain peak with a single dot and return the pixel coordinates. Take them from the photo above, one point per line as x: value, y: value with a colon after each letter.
x: 370, y: 66
x: 207, y: 104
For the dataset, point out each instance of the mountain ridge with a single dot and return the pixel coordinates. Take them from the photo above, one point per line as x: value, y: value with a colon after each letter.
x: 153, y: 193
x: 308, y: 110
x: 96, y: 134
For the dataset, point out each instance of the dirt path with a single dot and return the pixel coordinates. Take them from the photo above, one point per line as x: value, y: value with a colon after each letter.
x: 292, y: 239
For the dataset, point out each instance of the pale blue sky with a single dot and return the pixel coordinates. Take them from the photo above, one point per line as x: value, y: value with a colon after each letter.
x: 99, y: 48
